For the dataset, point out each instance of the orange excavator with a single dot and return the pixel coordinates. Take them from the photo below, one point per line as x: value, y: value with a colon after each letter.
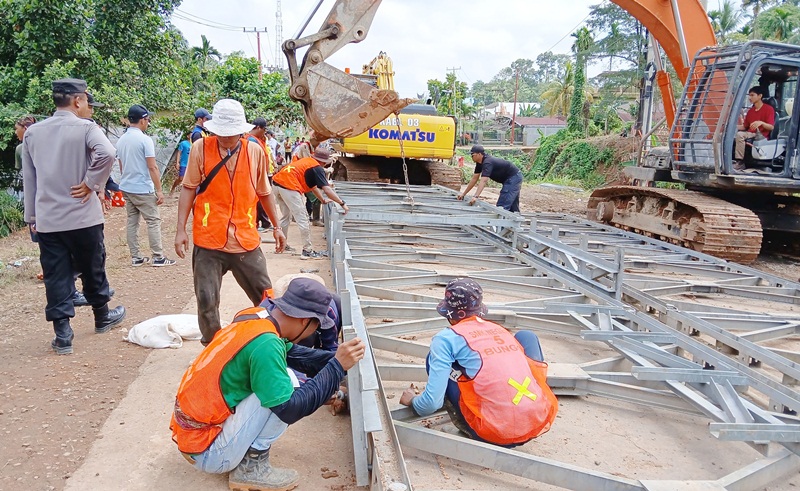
x: 721, y: 210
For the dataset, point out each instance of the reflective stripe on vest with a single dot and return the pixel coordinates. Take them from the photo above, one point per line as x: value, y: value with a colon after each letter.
x: 292, y: 175
x: 226, y: 201
x: 200, y: 408
x: 508, y: 401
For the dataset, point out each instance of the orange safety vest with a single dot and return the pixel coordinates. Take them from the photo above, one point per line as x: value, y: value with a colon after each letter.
x: 267, y: 152
x: 508, y: 401
x: 200, y: 408
x: 292, y: 175
x: 226, y: 202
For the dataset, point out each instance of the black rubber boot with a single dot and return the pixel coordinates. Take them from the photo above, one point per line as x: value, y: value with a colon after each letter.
x: 62, y: 343
x: 105, y: 318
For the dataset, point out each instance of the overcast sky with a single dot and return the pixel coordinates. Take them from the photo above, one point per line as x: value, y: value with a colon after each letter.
x: 424, y: 38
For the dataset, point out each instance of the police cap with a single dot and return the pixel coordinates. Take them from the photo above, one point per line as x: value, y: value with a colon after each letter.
x: 69, y: 86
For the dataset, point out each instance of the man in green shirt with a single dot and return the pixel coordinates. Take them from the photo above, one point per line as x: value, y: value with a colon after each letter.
x: 239, y: 396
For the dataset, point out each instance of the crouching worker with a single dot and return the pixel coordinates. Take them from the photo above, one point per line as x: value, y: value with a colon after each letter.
x: 493, y: 384
x: 237, y: 398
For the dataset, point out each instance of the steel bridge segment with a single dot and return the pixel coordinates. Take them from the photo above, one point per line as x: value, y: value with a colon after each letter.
x: 610, y: 317
x: 735, y: 330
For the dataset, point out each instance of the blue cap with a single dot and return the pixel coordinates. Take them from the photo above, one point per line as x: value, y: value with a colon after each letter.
x: 202, y: 113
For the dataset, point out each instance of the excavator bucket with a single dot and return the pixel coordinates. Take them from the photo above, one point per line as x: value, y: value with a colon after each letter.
x: 344, y: 106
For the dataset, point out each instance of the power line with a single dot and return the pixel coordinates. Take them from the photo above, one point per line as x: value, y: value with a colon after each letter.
x: 187, y: 19
x: 207, y: 21
x: 569, y: 32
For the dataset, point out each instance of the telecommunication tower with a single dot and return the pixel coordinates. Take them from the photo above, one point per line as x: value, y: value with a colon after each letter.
x: 278, y: 37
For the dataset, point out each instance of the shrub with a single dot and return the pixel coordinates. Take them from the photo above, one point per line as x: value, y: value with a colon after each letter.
x: 549, y: 148
x: 580, y: 159
x: 11, y: 214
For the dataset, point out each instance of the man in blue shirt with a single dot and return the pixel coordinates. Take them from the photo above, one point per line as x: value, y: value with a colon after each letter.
x: 498, y: 170
x: 184, y: 147
x: 141, y: 186
x: 491, y: 383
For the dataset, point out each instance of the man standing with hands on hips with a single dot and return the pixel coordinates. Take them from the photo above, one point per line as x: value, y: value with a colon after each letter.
x: 66, y: 161
x: 498, y: 170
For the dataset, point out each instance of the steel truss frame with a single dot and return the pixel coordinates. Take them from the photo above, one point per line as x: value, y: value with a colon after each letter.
x: 568, y: 276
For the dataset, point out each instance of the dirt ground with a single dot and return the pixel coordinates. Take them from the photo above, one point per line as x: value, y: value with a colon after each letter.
x: 52, y: 408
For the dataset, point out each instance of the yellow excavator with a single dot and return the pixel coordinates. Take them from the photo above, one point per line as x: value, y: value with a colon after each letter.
x: 723, y: 208
x: 417, y: 135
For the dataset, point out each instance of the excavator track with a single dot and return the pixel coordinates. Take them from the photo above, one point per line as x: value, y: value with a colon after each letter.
x: 687, y: 218
x: 390, y: 170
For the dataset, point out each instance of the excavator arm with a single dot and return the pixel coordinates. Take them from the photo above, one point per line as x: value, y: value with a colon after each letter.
x: 335, y: 103
x: 339, y: 105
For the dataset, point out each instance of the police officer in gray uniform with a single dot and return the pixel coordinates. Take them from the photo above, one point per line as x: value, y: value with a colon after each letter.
x: 66, y: 161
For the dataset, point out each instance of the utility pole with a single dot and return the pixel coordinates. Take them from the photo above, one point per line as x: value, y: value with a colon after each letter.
x: 278, y: 37
x: 514, y: 111
x: 453, y: 107
x: 258, y: 41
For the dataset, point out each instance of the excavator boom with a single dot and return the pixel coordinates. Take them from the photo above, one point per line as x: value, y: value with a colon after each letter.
x: 681, y: 27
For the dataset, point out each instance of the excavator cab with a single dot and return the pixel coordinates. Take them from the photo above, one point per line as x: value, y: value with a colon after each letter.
x: 715, y: 101
x: 725, y: 208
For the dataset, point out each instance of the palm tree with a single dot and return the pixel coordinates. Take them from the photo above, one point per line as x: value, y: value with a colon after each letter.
x: 205, y: 53
x: 556, y: 98
x: 779, y: 23
x: 725, y: 20
x: 756, y: 4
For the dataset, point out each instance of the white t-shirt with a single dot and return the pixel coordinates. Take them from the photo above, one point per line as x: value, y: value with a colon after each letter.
x: 273, y: 145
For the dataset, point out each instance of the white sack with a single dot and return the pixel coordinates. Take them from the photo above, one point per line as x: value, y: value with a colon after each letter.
x: 165, y: 331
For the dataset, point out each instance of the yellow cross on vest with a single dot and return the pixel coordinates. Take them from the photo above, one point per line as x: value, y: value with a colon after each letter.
x: 288, y: 168
x: 522, y: 390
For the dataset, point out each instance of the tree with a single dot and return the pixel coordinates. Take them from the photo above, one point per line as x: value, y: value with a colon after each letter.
x: 445, y: 100
x: 725, y: 20
x: 128, y: 53
x: 756, y: 6
x: 556, y: 99
x: 205, y: 53
x: 534, y: 79
x: 237, y: 78
x: 578, y: 115
x: 779, y: 23
x: 618, y: 37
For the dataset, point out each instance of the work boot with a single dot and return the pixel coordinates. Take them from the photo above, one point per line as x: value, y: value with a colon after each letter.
x: 254, y: 473
x: 457, y: 419
x: 62, y: 343
x: 105, y: 318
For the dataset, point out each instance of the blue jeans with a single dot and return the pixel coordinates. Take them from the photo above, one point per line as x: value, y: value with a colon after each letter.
x: 509, y: 193
x: 533, y: 350
x: 252, y: 425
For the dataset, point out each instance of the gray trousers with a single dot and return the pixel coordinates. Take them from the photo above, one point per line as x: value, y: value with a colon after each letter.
x: 209, y: 266
x: 293, y: 204
x: 143, y: 205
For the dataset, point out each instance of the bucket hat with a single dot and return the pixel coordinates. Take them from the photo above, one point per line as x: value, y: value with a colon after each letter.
x: 322, y: 155
x: 228, y: 119
x: 306, y: 299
